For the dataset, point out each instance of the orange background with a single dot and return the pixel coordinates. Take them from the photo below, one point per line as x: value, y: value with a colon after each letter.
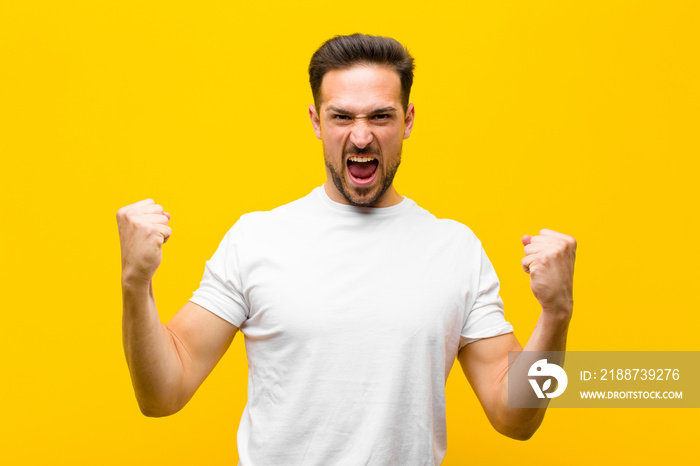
x: 579, y: 117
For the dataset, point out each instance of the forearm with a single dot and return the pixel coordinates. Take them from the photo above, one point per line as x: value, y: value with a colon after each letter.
x: 151, y: 354
x: 550, y: 332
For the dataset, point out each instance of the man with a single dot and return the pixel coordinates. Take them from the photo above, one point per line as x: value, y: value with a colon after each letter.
x: 353, y: 300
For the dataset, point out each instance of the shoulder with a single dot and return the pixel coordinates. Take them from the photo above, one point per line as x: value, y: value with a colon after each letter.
x: 266, y: 221
x: 449, y: 229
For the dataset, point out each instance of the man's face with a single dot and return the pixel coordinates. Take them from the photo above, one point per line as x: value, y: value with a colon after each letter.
x: 362, y: 126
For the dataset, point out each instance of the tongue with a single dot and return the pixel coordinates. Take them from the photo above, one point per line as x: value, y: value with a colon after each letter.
x: 362, y: 169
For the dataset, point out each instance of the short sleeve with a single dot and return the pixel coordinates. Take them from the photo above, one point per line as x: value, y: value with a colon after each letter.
x: 486, y: 317
x: 220, y: 290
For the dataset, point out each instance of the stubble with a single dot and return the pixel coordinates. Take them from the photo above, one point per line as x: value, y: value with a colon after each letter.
x: 358, y: 196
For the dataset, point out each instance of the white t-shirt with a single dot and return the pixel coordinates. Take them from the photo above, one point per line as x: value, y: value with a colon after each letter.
x: 352, y: 318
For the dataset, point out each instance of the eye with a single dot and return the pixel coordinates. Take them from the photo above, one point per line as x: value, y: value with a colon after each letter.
x: 380, y: 117
x: 339, y: 117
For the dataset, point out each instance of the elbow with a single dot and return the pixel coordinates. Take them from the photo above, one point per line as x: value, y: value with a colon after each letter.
x: 152, y: 410
x: 160, y: 403
x: 148, y: 412
x: 518, y: 434
x: 522, y: 430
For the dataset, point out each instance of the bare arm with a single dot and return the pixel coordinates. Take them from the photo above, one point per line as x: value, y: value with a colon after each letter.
x: 485, y: 363
x: 550, y: 263
x: 167, y: 362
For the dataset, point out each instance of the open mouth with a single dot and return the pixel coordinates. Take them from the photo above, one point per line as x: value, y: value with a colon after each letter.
x: 362, y: 169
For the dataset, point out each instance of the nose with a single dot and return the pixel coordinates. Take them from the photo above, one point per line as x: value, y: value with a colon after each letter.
x: 361, y: 134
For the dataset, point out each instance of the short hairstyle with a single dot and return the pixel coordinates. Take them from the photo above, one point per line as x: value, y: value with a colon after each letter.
x: 344, y: 52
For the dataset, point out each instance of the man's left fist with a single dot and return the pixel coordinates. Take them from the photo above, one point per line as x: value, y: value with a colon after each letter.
x: 549, y: 259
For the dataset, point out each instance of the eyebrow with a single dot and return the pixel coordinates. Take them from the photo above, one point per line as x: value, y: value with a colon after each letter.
x: 388, y: 109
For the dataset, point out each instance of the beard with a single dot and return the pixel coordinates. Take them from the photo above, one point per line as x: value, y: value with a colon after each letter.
x: 363, y: 196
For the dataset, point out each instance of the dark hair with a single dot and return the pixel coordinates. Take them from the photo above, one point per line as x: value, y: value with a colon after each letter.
x: 343, y: 52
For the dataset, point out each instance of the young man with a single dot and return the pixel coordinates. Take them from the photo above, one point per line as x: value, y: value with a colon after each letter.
x: 354, y: 301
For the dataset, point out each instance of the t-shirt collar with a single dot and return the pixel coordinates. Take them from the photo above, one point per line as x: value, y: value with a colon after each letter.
x: 351, y: 209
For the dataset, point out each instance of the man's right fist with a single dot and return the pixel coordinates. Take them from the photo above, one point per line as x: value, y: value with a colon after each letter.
x: 143, y: 228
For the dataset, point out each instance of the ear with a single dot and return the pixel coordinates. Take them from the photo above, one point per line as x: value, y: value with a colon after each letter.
x: 410, y: 115
x: 315, y: 121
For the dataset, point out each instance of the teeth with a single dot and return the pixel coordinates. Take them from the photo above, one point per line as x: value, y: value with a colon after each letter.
x: 361, y: 159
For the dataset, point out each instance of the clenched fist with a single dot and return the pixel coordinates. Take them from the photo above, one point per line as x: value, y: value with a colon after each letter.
x: 549, y: 259
x: 143, y: 229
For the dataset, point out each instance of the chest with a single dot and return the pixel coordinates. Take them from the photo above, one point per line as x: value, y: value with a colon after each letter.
x: 328, y: 289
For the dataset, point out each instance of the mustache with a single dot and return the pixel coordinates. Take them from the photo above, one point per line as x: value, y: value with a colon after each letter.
x: 354, y: 150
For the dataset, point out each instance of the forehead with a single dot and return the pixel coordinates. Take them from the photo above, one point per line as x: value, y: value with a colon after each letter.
x: 361, y: 88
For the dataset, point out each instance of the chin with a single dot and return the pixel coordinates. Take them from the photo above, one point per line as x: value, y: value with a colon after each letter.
x: 362, y: 197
